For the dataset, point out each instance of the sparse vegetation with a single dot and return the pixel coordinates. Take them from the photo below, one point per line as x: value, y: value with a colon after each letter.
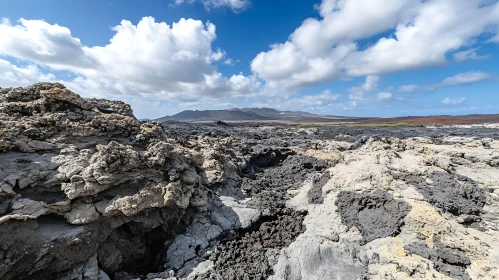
x: 383, y: 124
x: 309, y: 125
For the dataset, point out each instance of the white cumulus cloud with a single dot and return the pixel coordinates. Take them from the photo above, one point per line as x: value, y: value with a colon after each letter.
x: 371, y: 83
x: 236, y: 5
x: 424, y: 32
x: 286, y: 65
x: 219, y: 54
x: 324, y: 98
x: 383, y: 96
x: 455, y: 101
x: 364, y: 92
x: 326, y: 101
x: 44, y: 43
x: 152, y: 60
x: 17, y: 76
x: 439, y: 27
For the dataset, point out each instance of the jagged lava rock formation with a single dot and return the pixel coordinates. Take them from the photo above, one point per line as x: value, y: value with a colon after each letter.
x: 89, y: 192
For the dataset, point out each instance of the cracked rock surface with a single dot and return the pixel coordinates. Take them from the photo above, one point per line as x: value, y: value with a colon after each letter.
x: 87, y: 191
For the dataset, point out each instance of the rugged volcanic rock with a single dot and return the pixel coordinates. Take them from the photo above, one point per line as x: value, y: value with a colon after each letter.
x: 448, y: 261
x: 77, y: 174
x: 253, y: 255
x: 376, y: 215
x: 89, y: 192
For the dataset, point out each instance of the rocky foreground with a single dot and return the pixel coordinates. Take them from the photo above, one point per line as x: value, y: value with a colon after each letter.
x: 89, y: 192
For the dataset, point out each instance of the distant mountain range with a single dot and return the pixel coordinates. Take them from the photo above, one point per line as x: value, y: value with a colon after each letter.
x: 249, y: 114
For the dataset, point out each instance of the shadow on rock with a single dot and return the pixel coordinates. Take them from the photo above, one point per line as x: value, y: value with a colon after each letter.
x: 51, y: 248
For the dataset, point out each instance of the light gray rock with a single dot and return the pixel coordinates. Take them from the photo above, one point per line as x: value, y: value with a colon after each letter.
x: 82, y: 214
x: 87, y: 188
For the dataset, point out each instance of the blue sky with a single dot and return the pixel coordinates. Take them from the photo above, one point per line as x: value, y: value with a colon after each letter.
x: 340, y: 57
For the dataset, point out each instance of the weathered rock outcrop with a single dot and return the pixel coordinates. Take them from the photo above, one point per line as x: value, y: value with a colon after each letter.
x: 89, y: 192
x: 77, y: 174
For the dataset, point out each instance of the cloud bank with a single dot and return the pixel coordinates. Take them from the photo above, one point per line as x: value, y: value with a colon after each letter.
x: 175, y: 66
x: 151, y: 59
x: 422, y: 33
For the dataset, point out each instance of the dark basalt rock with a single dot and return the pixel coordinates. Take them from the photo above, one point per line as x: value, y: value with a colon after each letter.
x: 268, y: 157
x: 250, y: 257
x: 376, y: 214
x: 71, y: 245
x: 401, y: 132
x: 4, y: 204
x: 452, y: 193
x: 269, y: 188
x: 315, y: 193
x: 448, y: 261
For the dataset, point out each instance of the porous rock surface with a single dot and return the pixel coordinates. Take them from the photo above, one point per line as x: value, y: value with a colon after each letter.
x: 87, y: 191
x: 376, y: 214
